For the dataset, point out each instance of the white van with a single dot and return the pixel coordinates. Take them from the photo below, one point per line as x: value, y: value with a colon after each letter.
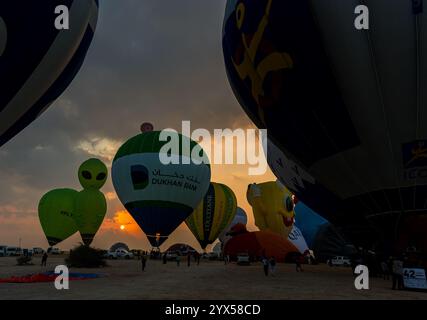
x: 54, y: 251
x: 340, y: 261
x: 13, y: 251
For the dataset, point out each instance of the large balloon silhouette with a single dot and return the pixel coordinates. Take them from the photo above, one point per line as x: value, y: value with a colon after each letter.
x: 345, y: 108
x: 38, y: 61
x: 213, y: 214
x: 160, y: 195
x: 56, y: 211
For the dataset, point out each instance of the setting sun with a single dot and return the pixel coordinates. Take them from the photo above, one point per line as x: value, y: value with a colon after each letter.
x: 122, y: 227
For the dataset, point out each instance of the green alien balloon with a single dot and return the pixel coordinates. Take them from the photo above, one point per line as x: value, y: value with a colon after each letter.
x: 93, y: 174
x: 90, y: 205
x: 56, y: 210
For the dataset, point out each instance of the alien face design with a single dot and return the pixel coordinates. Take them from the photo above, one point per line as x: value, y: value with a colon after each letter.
x: 93, y: 174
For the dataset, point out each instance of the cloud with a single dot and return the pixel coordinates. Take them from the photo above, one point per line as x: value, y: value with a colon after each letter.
x: 103, y: 148
x: 110, y: 196
x: 121, y: 218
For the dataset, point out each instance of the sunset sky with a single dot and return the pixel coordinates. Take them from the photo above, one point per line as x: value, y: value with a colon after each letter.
x: 157, y: 61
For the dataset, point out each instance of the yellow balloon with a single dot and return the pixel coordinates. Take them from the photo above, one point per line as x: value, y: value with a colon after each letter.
x: 273, y: 207
x: 213, y: 214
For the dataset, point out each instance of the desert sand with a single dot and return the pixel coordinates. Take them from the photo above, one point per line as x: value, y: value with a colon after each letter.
x: 123, y: 279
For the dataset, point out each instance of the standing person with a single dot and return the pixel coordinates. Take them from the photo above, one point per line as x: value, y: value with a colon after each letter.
x: 188, y: 259
x: 178, y: 259
x: 143, y: 262
x: 44, y: 259
x: 298, y: 266
x: 265, y: 265
x: 164, y: 258
x: 385, y: 270
x: 272, y: 263
x: 397, y: 274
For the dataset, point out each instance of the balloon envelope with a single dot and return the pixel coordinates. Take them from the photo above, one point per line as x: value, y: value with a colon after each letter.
x: 240, y: 217
x: 297, y: 239
x: 344, y: 107
x: 272, y: 207
x: 213, y: 214
x: 258, y: 244
x: 90, y: 210
x: 159, y: 196
x: 56, y: 214
x: 37, y: 61
x: 90, y: 204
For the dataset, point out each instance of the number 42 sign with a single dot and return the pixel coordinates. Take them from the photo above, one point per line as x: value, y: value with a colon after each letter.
x: 414, y: 278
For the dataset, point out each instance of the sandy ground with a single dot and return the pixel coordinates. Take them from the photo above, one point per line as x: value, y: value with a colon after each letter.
x: 210, y: 280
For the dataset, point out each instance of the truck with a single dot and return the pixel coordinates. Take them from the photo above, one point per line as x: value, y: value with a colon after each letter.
x: 119, y: 253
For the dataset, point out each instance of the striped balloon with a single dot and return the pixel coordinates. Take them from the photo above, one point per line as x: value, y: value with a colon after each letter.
x: 37, y: 61
x: 213, y: 214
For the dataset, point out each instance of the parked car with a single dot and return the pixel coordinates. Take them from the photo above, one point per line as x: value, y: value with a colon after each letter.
x: 119, y: 253
x: 340, y: 261
x: 54, y: 251
x: 3, y: 251
x: 27, y: 252
x: 243, y: 259
x: 13, y: 251
x: 38, y: 251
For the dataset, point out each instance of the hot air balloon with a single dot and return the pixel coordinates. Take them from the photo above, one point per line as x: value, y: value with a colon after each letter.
x: 56, y: 210
x: 344, y: 107
x: 213, y: 214
x: 272, y: 206
x: 90, y: 205
x: 258, y: 244
x: 240, y: 217
x: 158, y: 194
x: 297, y: 239
x: 38, y: 61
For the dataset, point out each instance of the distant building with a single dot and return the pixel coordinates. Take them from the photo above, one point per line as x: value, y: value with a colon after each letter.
x: 119, y: 245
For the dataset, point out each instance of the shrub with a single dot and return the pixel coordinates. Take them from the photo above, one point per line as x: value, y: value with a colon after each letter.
x: 23, y: 260
x: 85, y: 257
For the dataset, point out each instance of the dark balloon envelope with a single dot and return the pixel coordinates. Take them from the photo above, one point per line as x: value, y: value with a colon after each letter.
x: 37, y: 61
x: 345, y: 109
